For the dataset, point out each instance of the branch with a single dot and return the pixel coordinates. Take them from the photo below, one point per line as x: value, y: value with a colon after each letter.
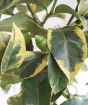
x: 51, y: 12
x: 72, y: 17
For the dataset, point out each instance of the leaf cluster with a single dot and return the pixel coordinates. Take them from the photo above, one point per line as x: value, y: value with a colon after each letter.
x: 45, y: 74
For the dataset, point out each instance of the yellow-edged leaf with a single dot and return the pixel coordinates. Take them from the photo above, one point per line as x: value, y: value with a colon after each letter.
x: 69, y: 48
x: 14, y: 54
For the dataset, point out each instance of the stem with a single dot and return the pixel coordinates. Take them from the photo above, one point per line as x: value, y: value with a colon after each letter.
x: 54, y: 4
x: 47, y: 16
x: 72, y: 17
x: 33, y: 14
x: 51, y: 12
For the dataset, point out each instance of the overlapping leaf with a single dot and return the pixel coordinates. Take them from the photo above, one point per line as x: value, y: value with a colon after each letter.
x: 14, y: 53
x: 69, y: 49
x: 56, y: 96
x: 57, y: 78
x: 66, y: 9
x: 83, y: 7
x: 35, y: 4
x: 8, y: 4
x: 33, y: 64
x: 24, y: 22
x: 38, y: 5
x: 4, y: 38
x: 34, y: 92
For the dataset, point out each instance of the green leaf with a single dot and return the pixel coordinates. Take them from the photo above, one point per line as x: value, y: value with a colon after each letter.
x: 38, y: 5
x: 9, y: 5
x: 33, y: 64
x: 66, y: 9
x: 22, y: 7
x: 3, y: 7
x: 57, y: 78
x: 56, y: 96
x: 69, y: 49
x: 76, y: 101
x: 59, y: 15
x: 24, y: 22
x: 34, y: 92
x: 14, y: 53
x: 15, y: 100
x: 83, y: 7
x: 7, y: 80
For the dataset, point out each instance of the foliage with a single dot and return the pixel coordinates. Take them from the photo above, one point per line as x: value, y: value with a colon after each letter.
x: 45, y: 74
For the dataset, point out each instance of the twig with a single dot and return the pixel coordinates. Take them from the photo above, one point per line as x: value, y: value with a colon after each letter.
x: 33, y: 14
x: 70, y: 20
x: 54, y: 4
x: 51, y: 12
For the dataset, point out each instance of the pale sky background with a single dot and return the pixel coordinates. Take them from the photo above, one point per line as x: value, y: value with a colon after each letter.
x: 82, y: 76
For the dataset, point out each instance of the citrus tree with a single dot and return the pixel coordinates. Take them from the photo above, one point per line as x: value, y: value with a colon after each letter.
x: 45, y: 74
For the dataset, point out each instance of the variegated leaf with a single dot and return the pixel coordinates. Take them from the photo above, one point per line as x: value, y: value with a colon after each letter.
x: 33, y: 64
x: 14, y: 53
x: 69, y: 48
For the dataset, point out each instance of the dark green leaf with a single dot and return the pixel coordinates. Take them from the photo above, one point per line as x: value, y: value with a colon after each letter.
x: 56, y: 96
x: 32, y: 65
x: 69, y: 48
x: 65, y: 9
x: 29, y: 46
x: 34, y: 92
x: 57, y: 78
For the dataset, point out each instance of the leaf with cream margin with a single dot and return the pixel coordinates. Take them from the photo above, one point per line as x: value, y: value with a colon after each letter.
x: 34, y: 63
x: 69, y: 48
x: 14, y: 53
